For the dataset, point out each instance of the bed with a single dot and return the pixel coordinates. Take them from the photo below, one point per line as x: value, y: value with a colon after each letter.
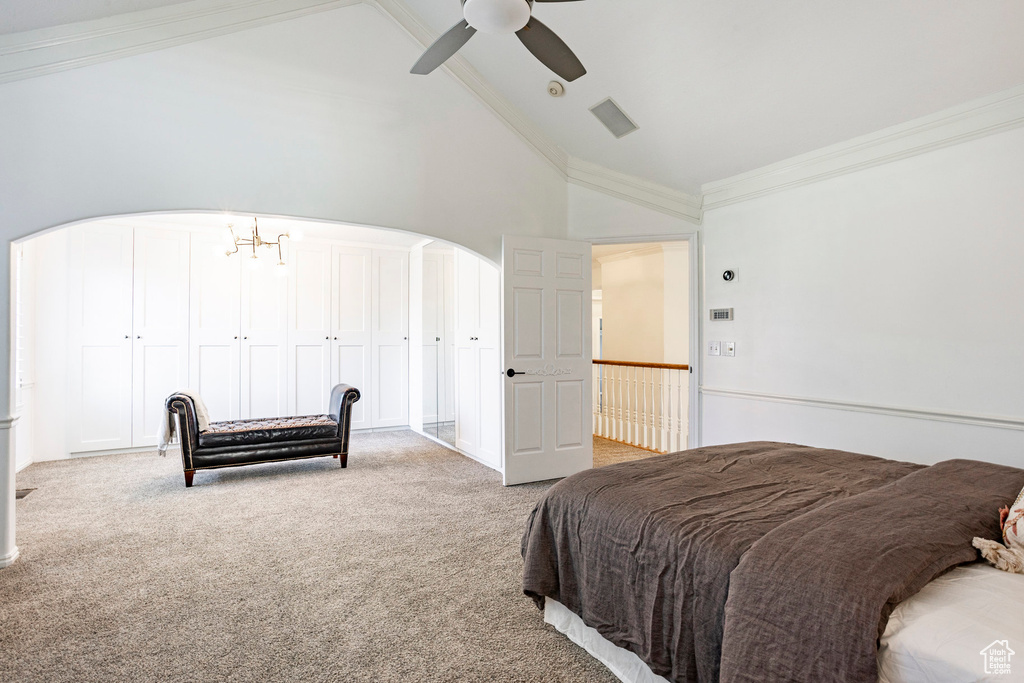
x: 766, y: 562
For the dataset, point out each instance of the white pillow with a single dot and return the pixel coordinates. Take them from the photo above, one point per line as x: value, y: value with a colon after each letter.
x: 1008, y: 557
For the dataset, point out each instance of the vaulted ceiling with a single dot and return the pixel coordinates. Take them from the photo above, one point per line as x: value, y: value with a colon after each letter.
x: 718, y: 88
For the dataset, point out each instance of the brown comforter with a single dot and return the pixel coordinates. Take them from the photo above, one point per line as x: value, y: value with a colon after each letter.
x: 757, y: 561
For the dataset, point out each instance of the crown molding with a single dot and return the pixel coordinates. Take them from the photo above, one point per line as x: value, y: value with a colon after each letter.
x: 637, y: 190
x: 978, y: 118
x: 461, y: 70
x: 49, y: 50
x: 996, y: 421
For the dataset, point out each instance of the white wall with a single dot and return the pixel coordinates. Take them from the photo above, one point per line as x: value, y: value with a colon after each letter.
x: 312, y: 117
x: 892, y: 289
x: 632, y: 306
x: 51, y: 340
x: 596, y: 216
x: 676, y: 318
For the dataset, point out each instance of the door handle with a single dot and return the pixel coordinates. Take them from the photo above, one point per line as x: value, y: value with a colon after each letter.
x: 512, y: 373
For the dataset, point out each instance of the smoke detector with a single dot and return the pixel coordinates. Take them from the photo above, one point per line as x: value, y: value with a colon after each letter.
x: 556, y: 89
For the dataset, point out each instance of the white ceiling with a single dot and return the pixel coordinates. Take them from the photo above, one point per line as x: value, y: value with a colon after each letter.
x: 27, y: 15
x: 723, y: 87
x: 718, y: 87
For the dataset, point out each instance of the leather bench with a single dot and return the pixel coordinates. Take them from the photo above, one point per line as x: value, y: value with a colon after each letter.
x: 234, y: 443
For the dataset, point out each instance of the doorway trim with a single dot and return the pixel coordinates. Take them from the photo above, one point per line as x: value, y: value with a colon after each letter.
x: 696, y: 276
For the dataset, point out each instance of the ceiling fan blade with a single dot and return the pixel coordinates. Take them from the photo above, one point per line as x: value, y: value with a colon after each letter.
x: 443, y: 48
x: 550, y: 50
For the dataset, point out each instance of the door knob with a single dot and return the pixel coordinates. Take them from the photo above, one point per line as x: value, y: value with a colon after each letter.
x: 512, y: 373
x: 127, y: 336
x: 236, y: 336
x: 139, y: 337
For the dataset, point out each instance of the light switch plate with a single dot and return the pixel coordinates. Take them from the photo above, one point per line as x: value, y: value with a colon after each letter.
x: 728, y: 348
x: 714, y: 348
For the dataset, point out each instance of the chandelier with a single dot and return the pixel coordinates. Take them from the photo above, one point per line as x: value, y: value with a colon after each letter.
x: 254, y: 242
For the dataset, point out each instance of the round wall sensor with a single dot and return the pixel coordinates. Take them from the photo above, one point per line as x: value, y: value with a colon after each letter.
x: 728, y: 276
x: 556, y: 89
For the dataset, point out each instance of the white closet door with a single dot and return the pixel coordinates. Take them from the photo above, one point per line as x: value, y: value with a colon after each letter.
x: 477, y: 359
x: 448, y: 338
x: 215, y: 327
x: 100, y: 338
x: 160, y: 323
x: 264, y: 367
x: 433, y: 337
x: 467, y: 324
x: 351, y: 323
x: 390, y: 338
x: 489, y: 366
x: 309, y: 328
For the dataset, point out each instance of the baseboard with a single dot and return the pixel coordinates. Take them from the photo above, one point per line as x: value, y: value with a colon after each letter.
x: 9, y: 559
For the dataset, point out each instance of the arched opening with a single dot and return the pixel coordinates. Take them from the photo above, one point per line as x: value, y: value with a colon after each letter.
x: 111, y: 315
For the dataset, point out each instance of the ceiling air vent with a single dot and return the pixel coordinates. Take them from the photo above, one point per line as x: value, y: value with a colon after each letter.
x: 613, y: 118
x: 721, y: 314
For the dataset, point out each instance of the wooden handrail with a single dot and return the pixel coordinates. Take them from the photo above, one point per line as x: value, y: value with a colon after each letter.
x: 631, y: 364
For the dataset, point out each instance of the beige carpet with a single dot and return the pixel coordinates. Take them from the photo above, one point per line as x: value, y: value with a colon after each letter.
x: 403, y: 567
x: 607, y: 452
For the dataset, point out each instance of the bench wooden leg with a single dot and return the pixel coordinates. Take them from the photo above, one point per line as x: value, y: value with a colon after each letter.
x: 344, y: 459
x: 188, y: 477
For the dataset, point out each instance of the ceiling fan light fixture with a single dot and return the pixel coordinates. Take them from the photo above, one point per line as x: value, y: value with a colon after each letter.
x: 497, y: 16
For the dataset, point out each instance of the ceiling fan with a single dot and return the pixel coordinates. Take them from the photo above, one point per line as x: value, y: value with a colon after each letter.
x: 504, y: 16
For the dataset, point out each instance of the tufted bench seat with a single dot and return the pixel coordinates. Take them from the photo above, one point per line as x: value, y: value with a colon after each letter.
x: 246, y: 442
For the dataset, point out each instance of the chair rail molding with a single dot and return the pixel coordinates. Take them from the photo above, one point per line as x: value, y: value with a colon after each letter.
x: 48, y: 50
x: 998, y: 422
x: 984, y: 116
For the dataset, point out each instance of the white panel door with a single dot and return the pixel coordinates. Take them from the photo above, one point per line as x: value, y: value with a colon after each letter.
x: 390, y: 338
x: 448, y: 338
x: 477, y: 372
x: 100, y: 338
x: 351, y: 323
x: 433, y: 337
x: 546, y: 308
x: 215, y: 327
x: 467, y: 377
x: 264, y: 349
x: 309, y: 328
x: 160, y: 324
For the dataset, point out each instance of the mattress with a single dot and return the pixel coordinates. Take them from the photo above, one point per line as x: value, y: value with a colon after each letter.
x: 935, y: 636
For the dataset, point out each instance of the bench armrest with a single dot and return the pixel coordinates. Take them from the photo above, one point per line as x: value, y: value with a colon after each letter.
x: 184, y: 411
x: 340, y: 408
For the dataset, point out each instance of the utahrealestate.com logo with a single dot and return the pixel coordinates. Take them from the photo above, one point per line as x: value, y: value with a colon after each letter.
x: 997, y: 657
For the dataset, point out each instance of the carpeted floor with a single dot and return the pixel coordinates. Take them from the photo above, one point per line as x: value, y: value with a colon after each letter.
x: 403, y: 567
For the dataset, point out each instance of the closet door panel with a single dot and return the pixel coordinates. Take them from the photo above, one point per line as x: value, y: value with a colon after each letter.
x: 309, y: 328
x: 215, y: 326
x: 351, y: 322
x: 390, y: 330
x: 100, y: 338
x: 352, y: 364
x: 433, y: 334
x: 264, y: 347
x: 466, y: 363
x: 160, y: 323
x: 263, y: 380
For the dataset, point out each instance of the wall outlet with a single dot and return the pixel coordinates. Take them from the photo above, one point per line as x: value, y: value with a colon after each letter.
x: 728, y: 348
x: 714, y: 348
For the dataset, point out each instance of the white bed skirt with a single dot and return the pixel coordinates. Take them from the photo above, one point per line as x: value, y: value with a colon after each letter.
x: 936, y: 636
x: 624, y: 664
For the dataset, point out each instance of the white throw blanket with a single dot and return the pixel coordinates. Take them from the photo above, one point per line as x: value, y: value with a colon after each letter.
x: 169, y: 423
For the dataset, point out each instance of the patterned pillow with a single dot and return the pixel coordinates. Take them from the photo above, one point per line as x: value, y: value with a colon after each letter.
x: 1008, y: 557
